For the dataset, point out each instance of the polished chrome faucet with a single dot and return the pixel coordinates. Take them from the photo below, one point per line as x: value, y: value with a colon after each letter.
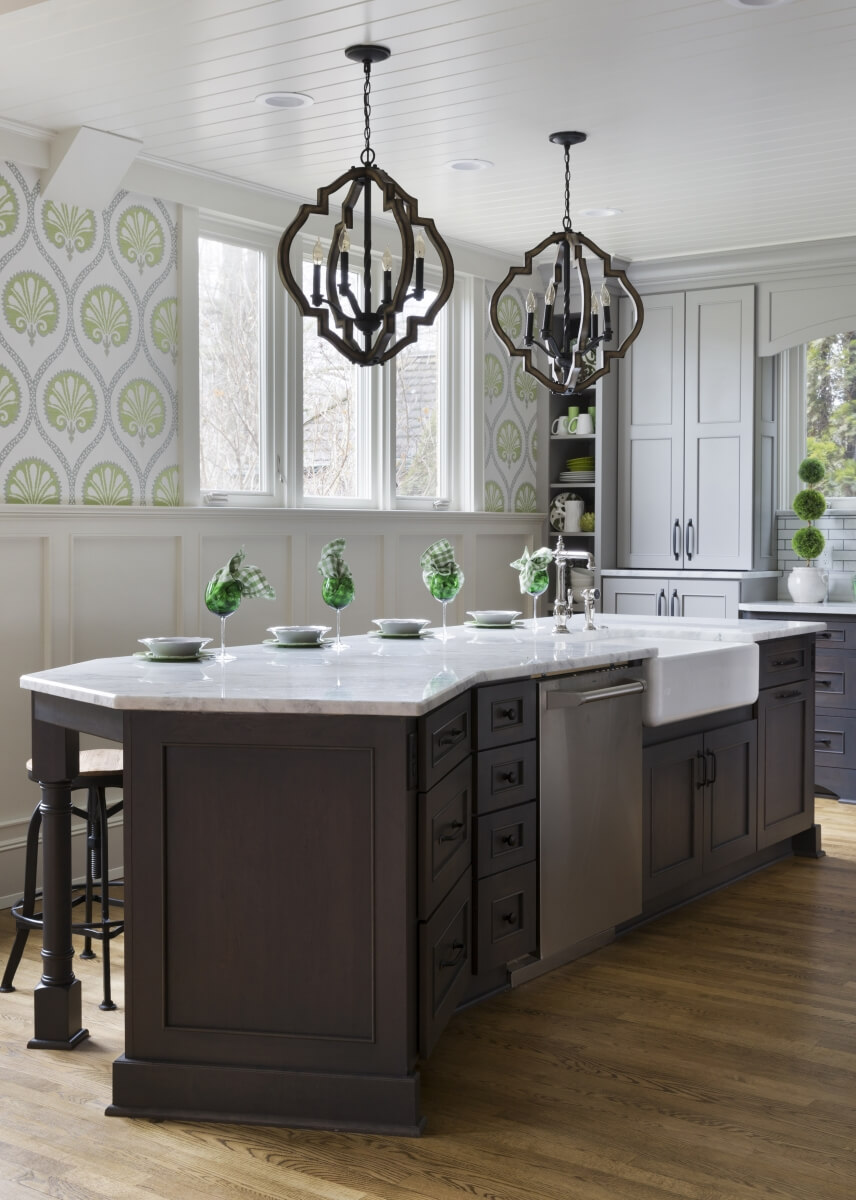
x: 563, y: 603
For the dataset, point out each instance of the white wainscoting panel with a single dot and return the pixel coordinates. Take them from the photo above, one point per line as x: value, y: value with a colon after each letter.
x: 87, y: 583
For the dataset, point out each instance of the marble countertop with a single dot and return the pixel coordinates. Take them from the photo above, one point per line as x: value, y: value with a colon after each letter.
x: 844, y: 608
x: 683, y: 573
x: 381, y: 676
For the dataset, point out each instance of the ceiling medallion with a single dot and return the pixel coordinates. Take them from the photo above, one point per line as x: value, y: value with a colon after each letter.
x: 571, y: 337
x: 357, y: 304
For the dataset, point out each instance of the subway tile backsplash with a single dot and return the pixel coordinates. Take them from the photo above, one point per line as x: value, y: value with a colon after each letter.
x: 839, y: 556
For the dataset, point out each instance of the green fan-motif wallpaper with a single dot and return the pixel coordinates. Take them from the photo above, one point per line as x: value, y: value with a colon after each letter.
x: 510, y: 411
x: 88, y: 349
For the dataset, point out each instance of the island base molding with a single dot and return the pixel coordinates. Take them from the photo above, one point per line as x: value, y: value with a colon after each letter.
x: 265, y: 1096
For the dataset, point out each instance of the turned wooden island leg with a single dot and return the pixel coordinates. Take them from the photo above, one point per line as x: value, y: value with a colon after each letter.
x: 57, y: 998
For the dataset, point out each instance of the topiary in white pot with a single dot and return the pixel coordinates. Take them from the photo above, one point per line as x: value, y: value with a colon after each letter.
x: 809, y: 584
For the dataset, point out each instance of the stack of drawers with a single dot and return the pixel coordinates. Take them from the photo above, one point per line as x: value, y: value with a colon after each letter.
x: 506, y: 824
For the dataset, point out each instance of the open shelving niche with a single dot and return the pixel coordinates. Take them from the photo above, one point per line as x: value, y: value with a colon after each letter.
x: 600, y: 495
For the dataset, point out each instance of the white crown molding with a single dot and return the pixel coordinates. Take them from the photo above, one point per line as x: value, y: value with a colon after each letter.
x: 751, y: 264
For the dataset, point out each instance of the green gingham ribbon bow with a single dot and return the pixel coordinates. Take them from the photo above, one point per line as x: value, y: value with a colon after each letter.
x: 250, y: 579
x: 332, y: 564
x: 529, y: 565
x: 439, y: 558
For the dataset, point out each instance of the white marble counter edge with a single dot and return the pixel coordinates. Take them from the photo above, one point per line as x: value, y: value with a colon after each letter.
x: 843, y: 607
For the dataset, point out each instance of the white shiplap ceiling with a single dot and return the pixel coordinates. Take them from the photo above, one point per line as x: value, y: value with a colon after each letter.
x: 711, y: 127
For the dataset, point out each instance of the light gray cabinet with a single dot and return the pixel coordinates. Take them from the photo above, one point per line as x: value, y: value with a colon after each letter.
x: 687, y: 429
x: 671, y: 596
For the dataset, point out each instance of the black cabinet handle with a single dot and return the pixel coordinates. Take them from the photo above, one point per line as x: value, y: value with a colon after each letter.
x: 510, y: 839
x: 785, y: 662
x: 690, y: 542
x: 788, y: 695
x: 712, y: 757
x: 700, y: 770
x: 823, y: 683
x: 823, y: 741
x: 510, y: 714
x: 676, y: 540
x: 826, y: 634
x: 457, y: 828
x: 673, y: 604
x: 459, y: 949
x: 508, y: 777
x: 661, y: 603
x: 510, y: 918
x: 452, y: 737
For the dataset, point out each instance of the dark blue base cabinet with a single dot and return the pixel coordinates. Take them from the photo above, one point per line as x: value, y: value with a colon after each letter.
x: 727, y: 793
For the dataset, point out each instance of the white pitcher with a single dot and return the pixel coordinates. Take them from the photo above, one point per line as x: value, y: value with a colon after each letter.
x: 572, y: 510
x: 808, y: 585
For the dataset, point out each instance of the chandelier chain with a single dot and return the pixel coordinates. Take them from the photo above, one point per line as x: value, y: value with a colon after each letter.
x: 566, y: 223
x: 368, y: 155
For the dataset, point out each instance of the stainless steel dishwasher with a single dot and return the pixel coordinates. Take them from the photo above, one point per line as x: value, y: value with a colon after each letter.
x: 590, y: 794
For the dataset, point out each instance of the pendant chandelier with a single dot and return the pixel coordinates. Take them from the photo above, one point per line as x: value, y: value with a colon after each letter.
x: 576, y: 326
x: 358, y: 315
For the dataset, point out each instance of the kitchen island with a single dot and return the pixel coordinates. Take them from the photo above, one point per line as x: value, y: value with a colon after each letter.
x: 325, y: 854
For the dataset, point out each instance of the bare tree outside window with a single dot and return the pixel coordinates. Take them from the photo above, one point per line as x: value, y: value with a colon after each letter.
x: 416, y: 401
x: 230, y: 280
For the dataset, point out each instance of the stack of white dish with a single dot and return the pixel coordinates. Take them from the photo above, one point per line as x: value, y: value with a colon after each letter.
x: 298, y: 635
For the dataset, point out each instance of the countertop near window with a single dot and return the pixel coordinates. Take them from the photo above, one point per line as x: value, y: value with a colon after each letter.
x: 381, y: 676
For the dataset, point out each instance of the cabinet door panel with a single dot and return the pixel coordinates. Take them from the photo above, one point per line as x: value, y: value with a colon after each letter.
x: 636, y: 597
x: 731, y: 795
x: 719, y: 385
x: 785, y: 761
x: 707, y: 597
x: 445, y: 961
x: 651, y: 437
x: 672, y: 799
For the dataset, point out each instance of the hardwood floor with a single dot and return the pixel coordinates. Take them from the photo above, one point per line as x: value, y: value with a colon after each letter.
x: 710, y: 1055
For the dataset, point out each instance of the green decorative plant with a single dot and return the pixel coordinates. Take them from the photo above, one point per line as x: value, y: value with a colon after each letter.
x: 809, y: 505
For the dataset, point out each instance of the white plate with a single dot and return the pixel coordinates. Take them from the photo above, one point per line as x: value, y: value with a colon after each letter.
x: 494, y: 625
x: 401, y: 636
x: 174, y: 658
x: 401, y: 626
x: 297, y: 645
x: 494, y: 616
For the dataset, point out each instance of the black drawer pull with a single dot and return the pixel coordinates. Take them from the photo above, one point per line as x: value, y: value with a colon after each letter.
x: 788, y: 695
x: 452, y: 737
x: 459, y: 949
x: 508, y: 777
x: 510, y: 839
x: 510, y: 714
x: 712, y: 757
x: 785, y: 662
x: 701, y: 770
x: 823, y: 683
x: 827, y: 634
x: 510, y: 918
x: 823, y: 741
x: 457, y: 827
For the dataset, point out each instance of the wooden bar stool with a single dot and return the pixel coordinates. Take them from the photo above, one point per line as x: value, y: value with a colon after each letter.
x: 99, y: 770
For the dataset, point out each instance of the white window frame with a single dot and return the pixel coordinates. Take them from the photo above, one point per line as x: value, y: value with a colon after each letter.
x: 281, y: 440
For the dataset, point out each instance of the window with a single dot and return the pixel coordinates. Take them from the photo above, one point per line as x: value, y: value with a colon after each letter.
x: 273, y: 394
x: 830, y: 406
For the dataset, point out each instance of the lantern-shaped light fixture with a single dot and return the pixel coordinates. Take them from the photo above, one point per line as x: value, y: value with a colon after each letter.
x: 576, y: 326
x: 356, y: 304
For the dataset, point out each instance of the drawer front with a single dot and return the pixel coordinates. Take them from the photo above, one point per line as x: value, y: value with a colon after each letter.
x: 445, y: 962
x: 506, y: 777
x: 835, y: 741
x: 784, y: 661
x: 445, y: 836
x: 506, y: 713
x: 839, y: 634
x: 506, y: 917
x: 445, y: 739
x: 506, y: 838
x: 835, y: 680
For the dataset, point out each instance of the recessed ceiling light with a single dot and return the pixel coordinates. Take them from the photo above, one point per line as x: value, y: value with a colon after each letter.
x: 756, y: 3
x: 600, y: 212
x: 284, y: 100
x: 469, y: 164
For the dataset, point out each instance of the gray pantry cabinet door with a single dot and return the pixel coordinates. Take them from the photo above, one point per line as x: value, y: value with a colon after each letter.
x: 718, y: 428
x: 651, y: 438
x: 664, y: 596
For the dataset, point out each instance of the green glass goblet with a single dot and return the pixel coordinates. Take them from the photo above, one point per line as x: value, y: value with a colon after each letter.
x: 338, y: 594
x: 537, y: 587
x: 222, y: 599
x: 444, y: 587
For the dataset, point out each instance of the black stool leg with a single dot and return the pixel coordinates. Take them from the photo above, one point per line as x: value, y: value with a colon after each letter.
x: 93, y: 860
x: 104, y: 871
x: 28, y: 904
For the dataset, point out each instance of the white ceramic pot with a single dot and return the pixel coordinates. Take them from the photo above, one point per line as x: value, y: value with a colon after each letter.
x: 808, y: 585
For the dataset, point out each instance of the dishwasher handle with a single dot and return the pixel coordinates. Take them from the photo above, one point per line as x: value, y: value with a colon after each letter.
x: 559, y: 699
